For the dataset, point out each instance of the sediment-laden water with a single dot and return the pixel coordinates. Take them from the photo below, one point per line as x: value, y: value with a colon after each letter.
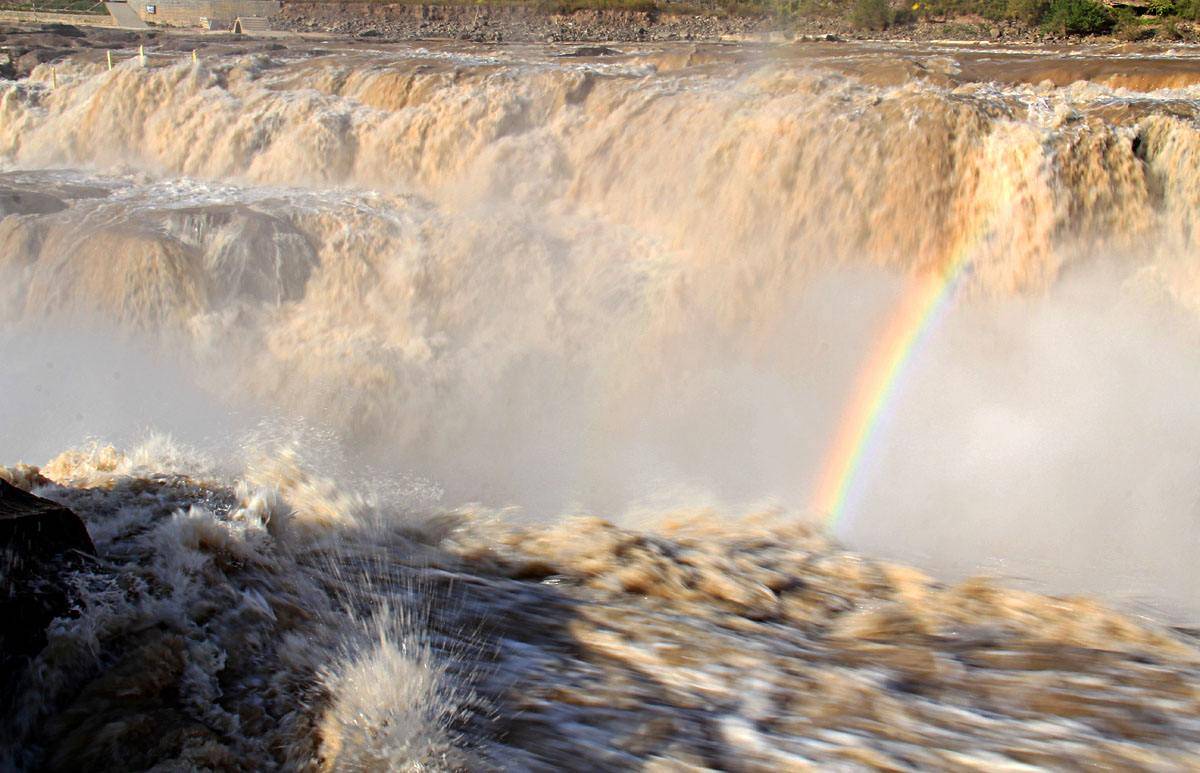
x: 461, y: 407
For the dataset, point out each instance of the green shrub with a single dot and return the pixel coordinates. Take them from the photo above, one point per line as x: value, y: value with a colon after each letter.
x: 993, y: 10
x: 871, y: 14
x: 1161, y: 7
x: 1188, y: 9
x: 903, y: 16
x: 1133, y: 29
x: 1078, y: 17
x: 946, y: 9
x: 1028, y: 11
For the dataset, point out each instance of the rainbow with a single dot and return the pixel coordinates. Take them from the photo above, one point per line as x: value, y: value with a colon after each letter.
x: 878, y: 382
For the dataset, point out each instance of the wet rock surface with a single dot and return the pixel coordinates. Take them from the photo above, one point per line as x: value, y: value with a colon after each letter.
x: 38, y: 529
x: 15, y: 202
x: 41, y: 543
x: 24, y: 47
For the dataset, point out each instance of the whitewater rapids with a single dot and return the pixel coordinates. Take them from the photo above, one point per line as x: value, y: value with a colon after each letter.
x: 350, y: 359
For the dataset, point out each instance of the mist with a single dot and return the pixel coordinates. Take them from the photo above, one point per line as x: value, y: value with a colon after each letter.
x: 69, y: 386
x: 1051, y: 439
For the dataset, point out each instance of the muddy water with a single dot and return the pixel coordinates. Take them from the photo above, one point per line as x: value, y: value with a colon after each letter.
x: 422, y: 323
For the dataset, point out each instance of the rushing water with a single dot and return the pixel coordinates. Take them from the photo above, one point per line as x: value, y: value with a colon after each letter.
x: 402, y: 311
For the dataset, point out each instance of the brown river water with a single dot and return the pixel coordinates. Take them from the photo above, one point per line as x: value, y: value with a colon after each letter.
x: 451, y: 407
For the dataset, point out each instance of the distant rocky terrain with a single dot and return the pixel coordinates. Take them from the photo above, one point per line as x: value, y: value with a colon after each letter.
x: 500, y: 23
x: 656, y: 22
x: 23, y: 47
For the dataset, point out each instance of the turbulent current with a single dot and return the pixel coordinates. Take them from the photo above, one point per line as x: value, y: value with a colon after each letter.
x: 461, y: 407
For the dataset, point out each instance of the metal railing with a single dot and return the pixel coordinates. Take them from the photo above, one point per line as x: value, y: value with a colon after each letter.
x: 54, y: 6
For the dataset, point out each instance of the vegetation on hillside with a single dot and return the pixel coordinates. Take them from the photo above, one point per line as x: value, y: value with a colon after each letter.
x: 54, y: 6
x: 1080, y: 17
x: 1071, y: 17
x: 1167, y: 19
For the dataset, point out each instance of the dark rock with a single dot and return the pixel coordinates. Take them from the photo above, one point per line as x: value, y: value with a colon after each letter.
x: 66, y: 30
x: 587, y: 51
x: 40, y: 543
x: 16, y: 202
x: 31, y: 59
x: 38, y: 529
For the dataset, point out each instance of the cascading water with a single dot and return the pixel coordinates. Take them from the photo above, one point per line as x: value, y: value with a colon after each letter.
x: 401, y: 310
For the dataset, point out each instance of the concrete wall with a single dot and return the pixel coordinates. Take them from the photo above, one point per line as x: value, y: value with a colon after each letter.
x: 38, y: 17
x: 187, y: 13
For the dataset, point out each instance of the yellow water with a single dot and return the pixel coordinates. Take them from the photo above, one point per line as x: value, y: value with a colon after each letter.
x: 403, y: 311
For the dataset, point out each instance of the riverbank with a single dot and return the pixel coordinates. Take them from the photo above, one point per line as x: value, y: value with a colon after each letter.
x: 379, y: 22
x: 650, y: 21
x: 517, y: 23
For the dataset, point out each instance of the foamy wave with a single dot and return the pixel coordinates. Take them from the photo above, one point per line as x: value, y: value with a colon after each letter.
x: 204, y: 636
